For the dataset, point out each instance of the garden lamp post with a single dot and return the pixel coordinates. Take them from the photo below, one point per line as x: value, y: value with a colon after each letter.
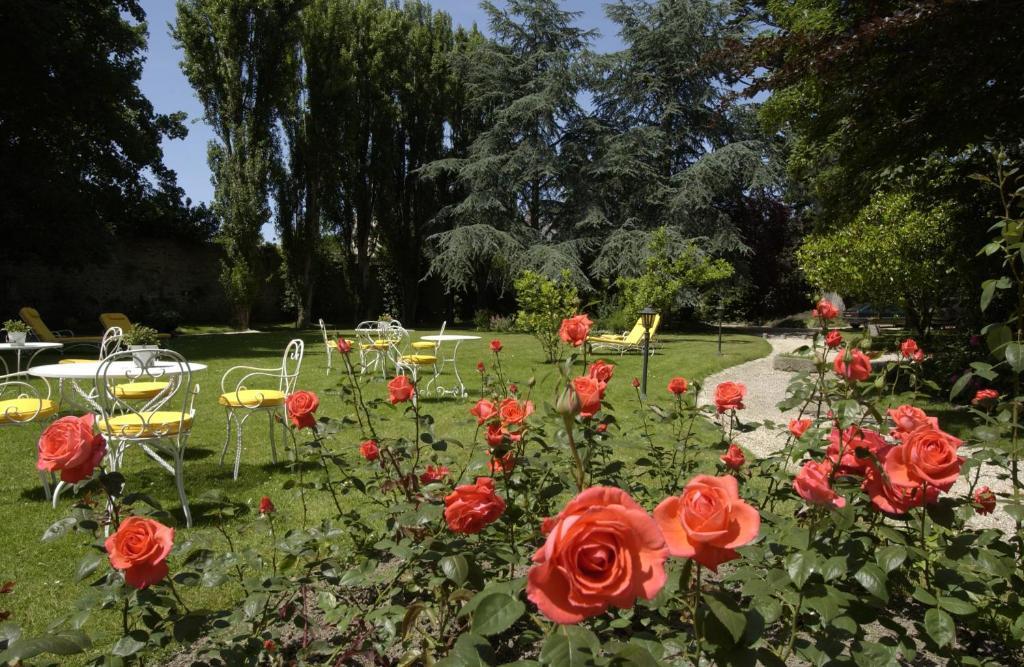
x: 647, y: 316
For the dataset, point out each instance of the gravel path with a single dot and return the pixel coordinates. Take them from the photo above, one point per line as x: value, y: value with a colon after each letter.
x: 766, y: 387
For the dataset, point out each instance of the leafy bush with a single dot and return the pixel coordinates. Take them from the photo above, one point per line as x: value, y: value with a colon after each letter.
x: 15, y: 326
x: 139, y: 334
x: 543, y: 304
x: 503, y: 323
x: 482, y: 319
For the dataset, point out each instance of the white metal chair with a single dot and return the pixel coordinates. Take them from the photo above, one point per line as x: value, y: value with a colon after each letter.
x: 398, y: 343
x: 374, y: 340
x: 331, y: 345
x: 240, y: 402
x: 21, y: 404
x: 110, y: 343
x: 161, y: 425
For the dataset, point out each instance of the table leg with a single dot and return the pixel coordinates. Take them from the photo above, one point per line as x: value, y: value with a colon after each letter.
x: 455, y: 367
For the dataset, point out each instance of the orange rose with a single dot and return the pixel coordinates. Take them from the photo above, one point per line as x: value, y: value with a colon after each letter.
x: 885, y: 497
x: 825, y: 310
x: 813, y: 484
x: 590, y: 393
x: 434, y: 474
x: 483, y: 410
x: 603, y: 550
x: 799, y: 426
x: 857, y: 369
x: 678, y: 386
x: 574, y: 330
x: 369, y: 450
x: 472, y: 507
x: 909, y: 348
x: 707, y: 521
x: 833, y: 339
x: 70, y: 446
x: 985, y: 397
x: 729, y: 396
x: 733, y: 458
x: 854, y: 438
x: 512, y: 411
x: 984, y: 500
x: 400, y: 389
x: 907, y: 418
x: 140, y: 548
x: 503, y: 463
x: 301, y: 405
x: 927, y: 456
x: 601, y: 371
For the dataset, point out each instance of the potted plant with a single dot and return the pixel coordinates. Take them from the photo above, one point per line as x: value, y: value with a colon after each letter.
x: 142, y: 341
x: 17, y: 331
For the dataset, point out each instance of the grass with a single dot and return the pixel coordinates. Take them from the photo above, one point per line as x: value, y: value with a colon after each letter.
x: 44, y: 573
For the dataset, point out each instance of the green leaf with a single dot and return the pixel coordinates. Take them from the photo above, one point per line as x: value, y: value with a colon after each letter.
x: 634, y: 655
x: 1015, y: 356
x: 130, y: 644
x: 472, y: 650
x: 88, y: 565
x: 939, y: 626
x: 570, y: 646
x: 996, y: 337
x: 957, y: 606
x: 496, y: 613
x: 727, y: 612
x: 960, y: 385
x: 988, y: 290
x: 873, y: 579
x: 455, y: 568
x: 891, y: 557
x: 800, y: 565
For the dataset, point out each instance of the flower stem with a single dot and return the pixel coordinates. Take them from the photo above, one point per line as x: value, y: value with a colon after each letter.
x: 568, y: 420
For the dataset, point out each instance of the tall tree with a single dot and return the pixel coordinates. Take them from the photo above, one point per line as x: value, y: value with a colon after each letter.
x: 237, y: 56
x: 77, y: 136
x: 526, y: 82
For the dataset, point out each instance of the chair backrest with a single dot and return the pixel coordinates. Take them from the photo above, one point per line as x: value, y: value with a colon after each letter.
x: 115, y: 320
x: 177, y: 396
x: 398, y: 340
x: 15, y: 386
x: 636, y: 334
x: 30, y: 316
x: 291, y: 362
x: 111, y: 342
x: 323, y: 332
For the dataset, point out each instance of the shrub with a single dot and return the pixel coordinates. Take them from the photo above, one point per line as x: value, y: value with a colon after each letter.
x: 543, y: 304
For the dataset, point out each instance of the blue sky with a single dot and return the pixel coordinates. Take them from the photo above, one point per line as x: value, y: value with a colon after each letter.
x: 169, y: 91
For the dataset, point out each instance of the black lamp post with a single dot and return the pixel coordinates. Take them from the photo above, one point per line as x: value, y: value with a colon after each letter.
x: 647, y: 316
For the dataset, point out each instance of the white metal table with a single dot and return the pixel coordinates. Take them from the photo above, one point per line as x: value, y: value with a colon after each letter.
x: 457, y: 339
x: 128, y: 370
x: 18, y: 349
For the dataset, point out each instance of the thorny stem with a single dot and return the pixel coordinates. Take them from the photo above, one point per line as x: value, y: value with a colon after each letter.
x: 302, y: 483
x: 568, y: 420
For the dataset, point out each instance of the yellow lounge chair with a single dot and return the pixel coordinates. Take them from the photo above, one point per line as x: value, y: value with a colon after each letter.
x: 121, y: 320
x: 629, y: 341
x: 30, y: 316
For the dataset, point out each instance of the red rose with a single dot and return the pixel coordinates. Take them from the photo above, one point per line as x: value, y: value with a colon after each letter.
x: 70, y: 446
x: 885, y: 497
x: 512, y: 411
x: 927, y: 456
x: 678, y: 386
x: 301, y: 405
x: 480, y: 368
x: 733, y: 458
x: 269, y: 646
x: 497, y: 434
x: 708, y: 521
x: 985, y: 397
x: 825, y: 311
x: 140, y: 548
x: 603, y: 550
x: 984, y: 500
x: 504, y: 463
x: 813, y: 485
x: 472, y: 507
x: 601, y: 371
x: 601, y: 428
x: 589, y: 392
x: 344, y: 346
x: 513, y: 389
x: 483, y: 410
x: 369, y: 450
x: 918, y: 357
x: 636, y: 383
x: 833, y: 339
x: 574, y: 330
x: 853, y: 439
x: 400, y: 389
x: 857, y: 369
x: 496, y: 346
x: 266, y: 506
x: 799, y: 426
x: 909, y: 348
x: 729, y: 396
x: 434, y: 474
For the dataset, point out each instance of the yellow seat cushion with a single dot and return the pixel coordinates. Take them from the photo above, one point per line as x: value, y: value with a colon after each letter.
x: 139, y: 390
x: 375, y: 345
x: 146, y: 424
x: 252, y: 398
x: 419, y: 359
x: 77, y: 361
x: 15, y: 410
x: 424, y: 345
x: 606, y: 339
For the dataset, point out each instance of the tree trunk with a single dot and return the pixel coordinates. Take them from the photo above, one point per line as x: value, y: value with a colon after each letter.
x: 243, y: 313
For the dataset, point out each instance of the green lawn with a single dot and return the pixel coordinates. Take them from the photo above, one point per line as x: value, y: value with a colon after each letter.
x: 44, y: 572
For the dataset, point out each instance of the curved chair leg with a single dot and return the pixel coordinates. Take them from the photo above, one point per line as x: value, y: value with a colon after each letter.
x: 273, y: 446
x: 239, y: 423
x: 227, y: 436
x: 179, y: 478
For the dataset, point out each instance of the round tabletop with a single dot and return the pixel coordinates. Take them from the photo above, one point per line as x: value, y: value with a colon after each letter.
x: 125, y: 369
x: 30, y: 346
x: 448, y: 338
